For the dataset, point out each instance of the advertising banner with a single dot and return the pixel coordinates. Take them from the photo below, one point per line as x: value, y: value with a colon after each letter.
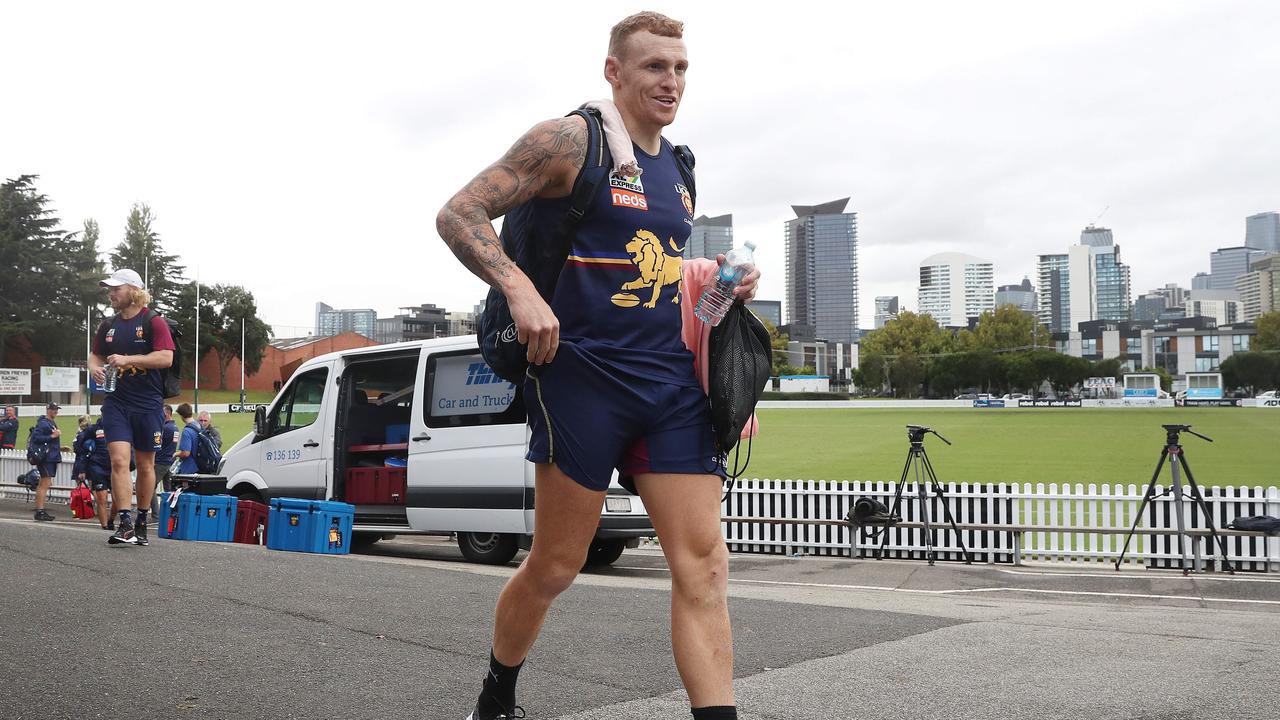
x: 59, y: 379
x: 1050, y: 403
x: 1269, y: 402
x: 245, y: 407
x: 465, y: 385
x: 992, y: 403
x: 14, y: 381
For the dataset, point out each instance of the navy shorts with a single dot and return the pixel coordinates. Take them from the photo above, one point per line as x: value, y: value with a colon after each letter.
x: 143, y: 429
x: 48, y: 470
x: 98, y: 481
x: 589, y: 419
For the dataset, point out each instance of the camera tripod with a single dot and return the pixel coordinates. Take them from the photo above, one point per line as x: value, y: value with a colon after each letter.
x: 918, y: 463
x: 1173, y: 448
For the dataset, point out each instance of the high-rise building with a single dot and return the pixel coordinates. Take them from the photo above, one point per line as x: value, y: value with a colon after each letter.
x: 1221, y: 305
x: 1262, y: 232
x: 1202, y: 281
x: 1023, y: 296
x: 822, y: 270
x: 1099, y: 281
x: 330, y: 321
x: 1259, y: 288
x: 1227, y: 264
x: 886, y: 309
x: 1054, y: 299
x: 955, y: 287
x: 711, y: 236
x: 770, y: 310
x: 1148, y: 306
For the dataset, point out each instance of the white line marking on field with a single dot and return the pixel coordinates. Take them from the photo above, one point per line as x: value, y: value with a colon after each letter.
x: 1123, y: 576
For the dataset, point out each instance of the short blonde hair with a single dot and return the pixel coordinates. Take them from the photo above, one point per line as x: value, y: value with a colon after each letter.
x: 645, y: 21
x: 84, y: 421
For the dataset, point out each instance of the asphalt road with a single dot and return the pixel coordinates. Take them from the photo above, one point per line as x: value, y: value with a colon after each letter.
x: 210, y: 630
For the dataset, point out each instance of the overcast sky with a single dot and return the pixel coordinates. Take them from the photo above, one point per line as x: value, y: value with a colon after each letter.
x: 303, y: 149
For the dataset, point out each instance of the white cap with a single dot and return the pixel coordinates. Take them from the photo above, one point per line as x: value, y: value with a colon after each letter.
x: 123, y: 277
x: 750, y: 244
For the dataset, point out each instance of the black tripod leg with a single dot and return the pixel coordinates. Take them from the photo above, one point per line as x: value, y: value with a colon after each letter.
x: 1146, y: 498
x: 1208, y: 516
x: 946, y: 510
x: 896, y: 506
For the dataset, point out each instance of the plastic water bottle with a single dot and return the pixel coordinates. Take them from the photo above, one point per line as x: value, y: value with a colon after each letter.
x: 718, y: 295
x: 109, y: 382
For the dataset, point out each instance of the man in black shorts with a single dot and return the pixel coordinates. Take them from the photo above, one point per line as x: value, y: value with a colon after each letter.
x: 611, y: 383
x: 137, y: 344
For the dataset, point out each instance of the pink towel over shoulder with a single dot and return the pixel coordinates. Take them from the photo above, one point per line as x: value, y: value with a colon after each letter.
x: 694, y: 274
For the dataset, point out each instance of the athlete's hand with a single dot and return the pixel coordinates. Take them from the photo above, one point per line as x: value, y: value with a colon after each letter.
x: 120, y: 361
x: 746, y: 290
x: 537, y: 327
x: 100, y: 375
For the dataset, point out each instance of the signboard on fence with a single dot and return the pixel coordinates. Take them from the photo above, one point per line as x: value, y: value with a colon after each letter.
x: 1100, y: 383
x: 14, y: 381
x: 1269, y: 402
x: 59, y: 379
x: 1050, y: 403
x: 245, y: 407
x: 988, y: 403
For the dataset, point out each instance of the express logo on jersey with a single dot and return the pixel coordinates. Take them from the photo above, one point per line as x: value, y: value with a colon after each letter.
x: 628, y: 192
x: 111, y: 334
x: 685, y: 198
x: 100, y: 434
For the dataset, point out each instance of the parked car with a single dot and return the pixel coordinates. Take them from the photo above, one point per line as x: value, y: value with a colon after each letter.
x: 1016, y: 396
x: 1268, y: 395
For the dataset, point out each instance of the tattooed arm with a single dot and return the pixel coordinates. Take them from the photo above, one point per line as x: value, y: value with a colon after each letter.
x: 543, y: 163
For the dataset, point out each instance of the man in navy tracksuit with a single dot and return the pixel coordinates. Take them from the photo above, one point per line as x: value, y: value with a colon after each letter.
x: 46, y: 433
x: 132, y: 415
x: 164, y: 458
x: 93, y: 465
x: 610, y: 382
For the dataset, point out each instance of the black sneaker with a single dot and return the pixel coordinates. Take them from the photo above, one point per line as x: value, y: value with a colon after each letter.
x: 140, y: 533
x: 123, y: 536
x: 111, y: 525
x: 475, y: 714
x: 44, y: 516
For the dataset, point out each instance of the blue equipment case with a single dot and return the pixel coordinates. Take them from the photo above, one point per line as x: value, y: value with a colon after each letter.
x: 314, y: 526
x: 210, y: 518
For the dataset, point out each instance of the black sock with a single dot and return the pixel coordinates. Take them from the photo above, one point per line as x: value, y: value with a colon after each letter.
x: 142, y: 517
x: 498, y: 696
x: 124, y: 518
x: 716, y: 712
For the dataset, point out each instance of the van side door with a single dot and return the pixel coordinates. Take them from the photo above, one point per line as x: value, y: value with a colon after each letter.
x: 466, y: 447
x: 298, y: 433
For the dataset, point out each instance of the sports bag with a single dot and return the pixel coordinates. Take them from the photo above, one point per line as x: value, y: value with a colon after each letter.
x: 1258, y: 523
x: 37, y: 452
x: 81, y: 502
x: 741, y: 359
x: 540, y: 251
x: 29, y: 479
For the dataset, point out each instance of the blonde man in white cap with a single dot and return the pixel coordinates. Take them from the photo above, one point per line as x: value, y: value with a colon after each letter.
x: 135, y: 345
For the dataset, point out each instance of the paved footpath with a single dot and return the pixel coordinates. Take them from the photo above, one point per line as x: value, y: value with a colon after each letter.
x: 212, y: 630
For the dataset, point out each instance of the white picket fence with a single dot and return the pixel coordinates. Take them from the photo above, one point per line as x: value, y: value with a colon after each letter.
x: 1052, y: 505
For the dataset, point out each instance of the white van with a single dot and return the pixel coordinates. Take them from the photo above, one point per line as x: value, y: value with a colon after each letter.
x: 425, y: 437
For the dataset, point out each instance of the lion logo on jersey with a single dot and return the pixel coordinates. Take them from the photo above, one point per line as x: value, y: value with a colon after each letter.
x: 657, y: 268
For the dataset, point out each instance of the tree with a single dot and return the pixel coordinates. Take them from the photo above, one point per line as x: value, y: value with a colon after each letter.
x: 1254, y: 371
x: 908, y: 333
x: 1007, y: 328
x: 236, y: 309
x: 43, y: 291
x: 183, y: 314
x: 906, y: 373
x: 141, y: 251
x: 1268, y: 337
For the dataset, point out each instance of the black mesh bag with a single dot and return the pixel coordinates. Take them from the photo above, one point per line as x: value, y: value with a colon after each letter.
x: 740, y: 363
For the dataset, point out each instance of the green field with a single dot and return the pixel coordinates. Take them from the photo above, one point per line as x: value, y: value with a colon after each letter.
x: 1049, y: 446
x: 1044, y: 445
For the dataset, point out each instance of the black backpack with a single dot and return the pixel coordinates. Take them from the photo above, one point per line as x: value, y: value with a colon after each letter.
x: 540, y: 252
x: 37, y: 452
x: 208, y: 456
x: 172, y: 374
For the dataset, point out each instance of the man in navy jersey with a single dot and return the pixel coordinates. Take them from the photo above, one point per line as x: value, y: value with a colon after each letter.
x: 137, y: 344
x: 611, y: 384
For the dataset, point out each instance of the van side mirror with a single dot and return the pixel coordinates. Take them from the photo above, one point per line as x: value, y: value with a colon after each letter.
x: 260, y: 421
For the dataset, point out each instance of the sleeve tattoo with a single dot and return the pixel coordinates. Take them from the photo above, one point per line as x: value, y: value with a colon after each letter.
x: 527, y: 169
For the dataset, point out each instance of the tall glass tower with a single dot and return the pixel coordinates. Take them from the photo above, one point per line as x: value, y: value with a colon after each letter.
x: 710, y: 236
x: 822, y: 270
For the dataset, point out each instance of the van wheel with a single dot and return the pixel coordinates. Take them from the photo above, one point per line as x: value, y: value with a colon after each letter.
x: 247, y: 492
x: 364, y: 540
x: 487, y: 548
x: 605, y: 552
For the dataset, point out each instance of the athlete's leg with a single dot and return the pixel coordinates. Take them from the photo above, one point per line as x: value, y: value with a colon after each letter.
x: 146, y: 461
x: 121, y: 484
x: 101, y: 507
x: 685, y: 510
x: 566, y: 515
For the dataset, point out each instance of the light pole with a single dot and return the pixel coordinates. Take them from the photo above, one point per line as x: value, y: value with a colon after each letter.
x: 242, y: 347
